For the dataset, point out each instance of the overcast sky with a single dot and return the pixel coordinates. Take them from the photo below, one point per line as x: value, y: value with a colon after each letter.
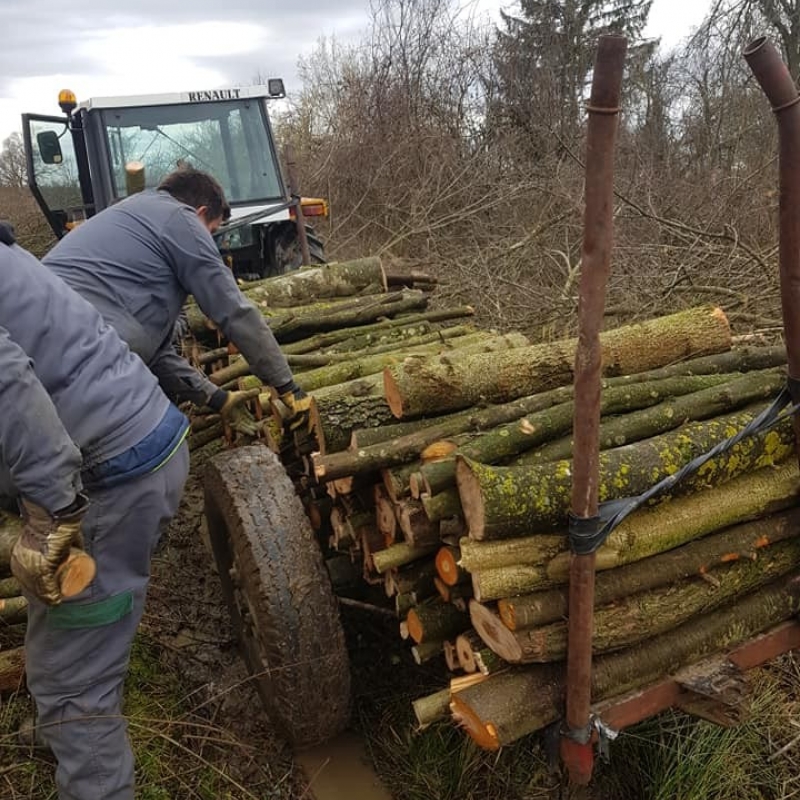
x: 107, y: 47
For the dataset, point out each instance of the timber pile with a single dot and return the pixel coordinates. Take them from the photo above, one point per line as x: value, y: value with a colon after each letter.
x: 441, y: 470
x: 13, y: 611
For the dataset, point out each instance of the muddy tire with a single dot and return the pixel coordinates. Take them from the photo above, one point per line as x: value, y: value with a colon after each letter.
x: 284, y: 612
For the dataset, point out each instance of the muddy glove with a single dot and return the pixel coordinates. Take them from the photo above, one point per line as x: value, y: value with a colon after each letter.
x: 237, y: 416
x: 44, y: 545
x: 299, y: 405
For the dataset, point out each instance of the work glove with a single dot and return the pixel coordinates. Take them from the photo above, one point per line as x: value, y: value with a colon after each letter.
x: 299, y: 405
x: 237, y: 416
x: 44, y: 545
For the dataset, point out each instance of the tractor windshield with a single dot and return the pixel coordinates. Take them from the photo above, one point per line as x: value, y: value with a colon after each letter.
x: 229, y: 139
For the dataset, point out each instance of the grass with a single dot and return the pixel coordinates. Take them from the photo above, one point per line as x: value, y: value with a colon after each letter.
x: 179, y: 751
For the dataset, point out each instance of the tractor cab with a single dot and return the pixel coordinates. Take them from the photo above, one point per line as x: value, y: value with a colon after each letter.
x: 106, y: 148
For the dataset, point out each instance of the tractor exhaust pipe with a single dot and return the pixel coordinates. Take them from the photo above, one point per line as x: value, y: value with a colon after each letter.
x: 774, y: 78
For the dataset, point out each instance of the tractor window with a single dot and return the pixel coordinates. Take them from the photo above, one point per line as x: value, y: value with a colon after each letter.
x: 230, y: 140
x: 55, y: 172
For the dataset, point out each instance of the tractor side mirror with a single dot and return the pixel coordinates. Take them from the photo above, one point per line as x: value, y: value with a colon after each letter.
x: 49, y: 147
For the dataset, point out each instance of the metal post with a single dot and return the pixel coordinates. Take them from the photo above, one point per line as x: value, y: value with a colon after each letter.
x: 774, y: 78
x: 576, y: 744
x: 294, y: 191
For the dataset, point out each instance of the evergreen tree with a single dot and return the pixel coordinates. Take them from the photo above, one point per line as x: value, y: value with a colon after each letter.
x: 544, y: 60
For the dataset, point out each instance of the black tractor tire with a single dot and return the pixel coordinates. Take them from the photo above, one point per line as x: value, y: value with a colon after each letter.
x: 286, y: 253
x: 284, y: 612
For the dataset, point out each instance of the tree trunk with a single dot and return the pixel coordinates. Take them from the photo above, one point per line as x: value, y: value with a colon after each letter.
x: 439, y: 385
x: 398, y: 555
x: 500, y: 502
x: 359, y: 337
x: 672, y: 413
x: 436, y: 621
x: 13, y: 610
x: 631, y: 619
x: 338, y: 279
x: 696, y: 559
x: 514, y: 703
x: 646, y: 532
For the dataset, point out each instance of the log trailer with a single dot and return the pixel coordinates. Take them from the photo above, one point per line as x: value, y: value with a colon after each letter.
x: 284, y: 609
x: 108, y: 147
x: 272, y: 546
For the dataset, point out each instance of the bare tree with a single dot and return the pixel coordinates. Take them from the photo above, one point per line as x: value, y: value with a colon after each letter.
x: 13, y: 170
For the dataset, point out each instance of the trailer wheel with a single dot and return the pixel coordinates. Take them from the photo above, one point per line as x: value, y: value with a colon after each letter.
x: 284, y: 611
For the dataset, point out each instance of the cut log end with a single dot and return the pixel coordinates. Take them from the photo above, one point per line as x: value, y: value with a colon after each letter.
x: 447, y: 566
x: 484, y: 734
x: 392, y: 393
x: 471, y: 499
x: 491, y: 629
x: 76, y: 573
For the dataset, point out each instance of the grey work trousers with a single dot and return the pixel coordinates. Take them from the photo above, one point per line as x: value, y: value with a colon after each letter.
x: 77, y: 653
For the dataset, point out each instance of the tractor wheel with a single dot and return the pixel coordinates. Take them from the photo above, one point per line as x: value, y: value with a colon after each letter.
x: 284, y: 612
x: 286, y: 254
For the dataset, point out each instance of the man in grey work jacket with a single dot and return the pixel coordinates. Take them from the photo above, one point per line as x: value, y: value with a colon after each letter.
x: 89, y: 444
x: 137, y: 261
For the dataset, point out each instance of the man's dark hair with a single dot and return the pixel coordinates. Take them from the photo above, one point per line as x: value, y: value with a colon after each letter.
x: 196, y: 188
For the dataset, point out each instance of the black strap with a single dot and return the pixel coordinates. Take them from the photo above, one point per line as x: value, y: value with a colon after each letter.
x: 587, y: 534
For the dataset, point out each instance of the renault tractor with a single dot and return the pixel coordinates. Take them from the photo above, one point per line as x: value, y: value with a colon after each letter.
x: 103, y: 149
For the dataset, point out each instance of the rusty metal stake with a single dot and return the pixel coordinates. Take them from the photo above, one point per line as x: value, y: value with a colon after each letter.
x: 294, y: 191
x: 774, y: 78
x: 576, y: 744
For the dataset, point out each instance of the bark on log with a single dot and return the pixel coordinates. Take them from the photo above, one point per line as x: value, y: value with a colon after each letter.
x: 631, y: 619
x: 12, y: 670
x: 325, y: 359
x: 425, y: 651
x: 650, y: 531
x: 418, y: 388
x: 9, y: 587
x: 670, y: 414
x: 337, y: 279
x: 398, y: 555
x: 436, y: 621
x: 500, y: 502
x: 354, y: 369
x: 521, y: 701
x: 697, y: 559
x: 358, y: 337
x: 417, y: 529
x: 13, y: 610
x: 711, y: 394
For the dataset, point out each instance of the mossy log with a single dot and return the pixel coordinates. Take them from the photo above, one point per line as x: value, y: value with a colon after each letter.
x: 500, y: 502
x: 350, y: 370
x: 9, y: 587
x: 520, y: 701
x: 711, y: 395
x: 442, y: 506
x: 10, y: 527
x: 646, y: 532
x: 436, y: 621
x: 13, y: 610
x: 398, y: 555
x: 424, y: 387
x: 324, y: 359
x: 695, y: 559
x: 346, y: 367
x: 337, y: 279
x: 337, y: 413
x: 670, y: 414
x: 631, y: 619
x: 376, y: 333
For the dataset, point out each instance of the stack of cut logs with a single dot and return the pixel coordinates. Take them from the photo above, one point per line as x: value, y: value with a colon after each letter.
x: 443, y: 471
x: 13, y: 610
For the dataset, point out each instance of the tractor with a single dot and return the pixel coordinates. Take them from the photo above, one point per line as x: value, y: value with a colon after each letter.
x: 119, y: 145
